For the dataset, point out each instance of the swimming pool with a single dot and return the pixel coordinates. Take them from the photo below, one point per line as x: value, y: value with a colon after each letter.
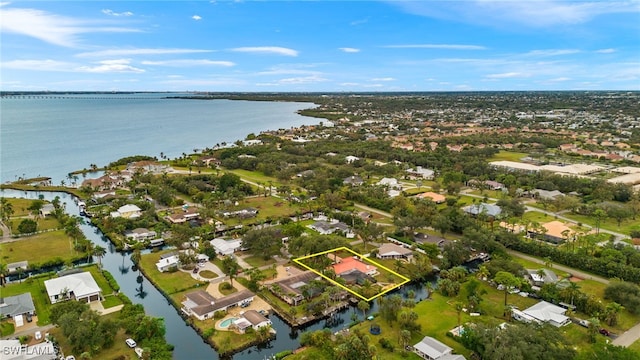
x: 227, y: 322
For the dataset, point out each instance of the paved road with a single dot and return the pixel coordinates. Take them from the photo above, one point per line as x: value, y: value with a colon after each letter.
x: 629, y: 337
x: 572, y: 271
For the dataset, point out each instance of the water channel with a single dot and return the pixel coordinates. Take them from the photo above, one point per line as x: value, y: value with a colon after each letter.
x: 188, y: 344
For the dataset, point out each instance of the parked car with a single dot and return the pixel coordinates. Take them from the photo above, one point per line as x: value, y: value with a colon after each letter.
x: 195, y: 270
x: 584, y: 323
x: 38, y: 335
x: 131, y: 343
x: 604, y: 332
x: 29, y: 317
x: 70, y: 357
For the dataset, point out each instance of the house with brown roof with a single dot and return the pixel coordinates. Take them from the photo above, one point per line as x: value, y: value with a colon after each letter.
x: 554, y: 231
x: 203, y: 305
x: 393, y: 251
x: 183, y: 215
x: 290, y: 289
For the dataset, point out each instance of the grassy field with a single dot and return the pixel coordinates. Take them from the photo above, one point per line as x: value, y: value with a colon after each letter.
x: 536, y: 216
x: 535, y: 266
x: 256, y: 177
x: 258, y: 261
x: 607, y: 224
x: 508, y: 156
x: 19, y: 206
x: 39, y: 248
x: 170, y: 282
x: 43, y: 224
x: 635, y: 346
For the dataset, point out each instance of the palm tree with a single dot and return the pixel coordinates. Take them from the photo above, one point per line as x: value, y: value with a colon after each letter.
x: 459, y: 306
x: 90, y: 247
x: 571, y: 291
x: 611, y: 313
x: 405, y: 337
x: 4, y: 271
x: 364, y: 307
x: 99, y: 252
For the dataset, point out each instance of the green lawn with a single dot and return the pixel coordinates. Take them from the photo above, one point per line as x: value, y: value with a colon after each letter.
x: 508, y: 156
x: 170, y: 282
x: 535, y: 266
x: 6, y: 328
x: 19, y: 206
x: 258, y: 261
x: 47, y: 223
x: 256, y: 177
x: 536, y: 216
x: 607, y: 224
x: 39, y: 248
x: 635, y: 346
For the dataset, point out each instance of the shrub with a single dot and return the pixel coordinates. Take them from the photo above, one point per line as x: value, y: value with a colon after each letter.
x: 386, y: 344
x: 225, y: 286
x: 219, y: 314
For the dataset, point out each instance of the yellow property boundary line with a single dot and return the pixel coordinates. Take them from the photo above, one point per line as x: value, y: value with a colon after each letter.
x: 362, y: 258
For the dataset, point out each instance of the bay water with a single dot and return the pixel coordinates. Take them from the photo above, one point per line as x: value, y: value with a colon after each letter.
x: 57, y: 134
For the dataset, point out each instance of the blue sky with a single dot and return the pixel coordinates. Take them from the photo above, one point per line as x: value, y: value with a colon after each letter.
x: 320, y: 46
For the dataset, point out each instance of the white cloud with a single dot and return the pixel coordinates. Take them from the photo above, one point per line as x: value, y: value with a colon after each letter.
x: 112, y: 66
x: 437, y: 46
x: 302, y: 80
x: 534, y: 14
x: 140, y: 51
x: 112, y: 13
x: 507, y: 75
x: 196, y: 17
x: 189, y: 62
x: 267, y: 50
x: 552, y: 52
x: 383, y: 79
x: 349, y: 50
x: 282, y: 70
x: 51, y: 28
x: 606, y: 51
x: 38, y: 65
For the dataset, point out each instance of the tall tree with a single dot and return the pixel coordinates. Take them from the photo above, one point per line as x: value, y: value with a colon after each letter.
x: 508, y: 281
x: 230, y: 267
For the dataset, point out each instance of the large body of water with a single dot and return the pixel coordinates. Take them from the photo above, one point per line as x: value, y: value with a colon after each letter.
x: 53, y: 136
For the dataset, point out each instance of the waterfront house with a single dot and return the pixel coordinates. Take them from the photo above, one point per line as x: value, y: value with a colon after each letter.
x: 47, y: 209
x: 128, y: 211
x: 168, y: 261
x: 290, y: 289
x: 431, y: 349
x: 14, y: 267
x: 12, y: 306
x: 429, y: 239
x: 203, y: 305
x: 80, y: 286
x: 393, y: 251
x: 140, y: 234
x: 254, y: 319
x: 350, y: 263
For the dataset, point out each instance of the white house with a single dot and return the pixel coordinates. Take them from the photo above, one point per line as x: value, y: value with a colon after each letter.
x: 167, y: 261
x: 140, y: 234
x: 254, y: 319
x: 431, y: 349
x: 543, y: 312
x: 128, y: 211
x: 81, y: 287
x: 393, y: 251
x: 420, y: 173
x: 350, y: 159
x: 226, y: 247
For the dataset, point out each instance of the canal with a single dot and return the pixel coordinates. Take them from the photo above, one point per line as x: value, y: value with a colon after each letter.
x: 188, y: 344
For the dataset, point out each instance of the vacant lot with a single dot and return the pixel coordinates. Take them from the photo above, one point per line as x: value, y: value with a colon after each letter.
x: 39, y: 248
